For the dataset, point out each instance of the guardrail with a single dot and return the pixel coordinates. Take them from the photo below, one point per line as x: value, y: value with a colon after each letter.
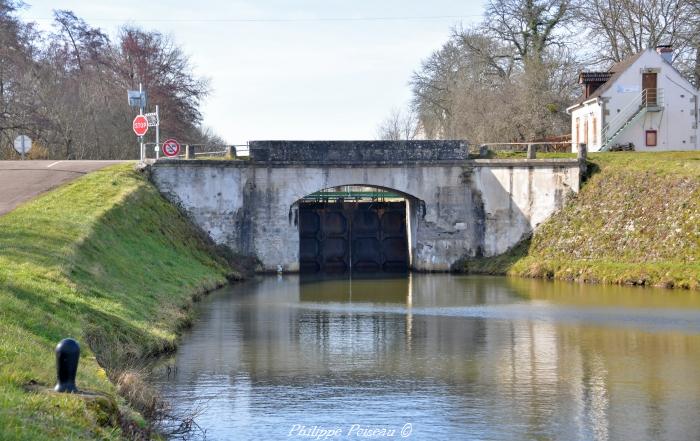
x: 212, y: 153
x: 194, y: 151
x: 544, y: 146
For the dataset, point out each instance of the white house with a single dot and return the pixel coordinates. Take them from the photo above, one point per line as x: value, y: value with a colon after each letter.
x: 641, y: 101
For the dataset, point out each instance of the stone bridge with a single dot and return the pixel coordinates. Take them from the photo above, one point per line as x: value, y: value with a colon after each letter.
x: 455, y: 206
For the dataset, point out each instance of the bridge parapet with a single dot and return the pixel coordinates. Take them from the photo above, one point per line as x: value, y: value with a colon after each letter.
x: 358, y: 152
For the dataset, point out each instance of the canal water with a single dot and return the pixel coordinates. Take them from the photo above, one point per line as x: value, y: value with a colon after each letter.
x: 439, y: 357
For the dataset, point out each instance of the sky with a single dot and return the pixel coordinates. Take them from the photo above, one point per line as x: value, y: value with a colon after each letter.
x: 295, y: 70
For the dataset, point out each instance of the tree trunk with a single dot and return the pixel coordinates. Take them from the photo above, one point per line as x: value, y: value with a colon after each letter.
x: 697, y: 65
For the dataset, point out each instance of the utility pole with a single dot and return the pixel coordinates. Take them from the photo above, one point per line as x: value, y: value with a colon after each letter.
x: 141, y: 147
x: 157, y: 133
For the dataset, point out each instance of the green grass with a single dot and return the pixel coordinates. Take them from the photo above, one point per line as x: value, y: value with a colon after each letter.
x: 105, y: 260
x: 636, y: 221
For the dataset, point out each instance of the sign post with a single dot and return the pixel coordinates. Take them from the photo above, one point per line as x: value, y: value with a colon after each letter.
x: 154, y: 121
x: 142, y: 147
x: 140, y: 126
x: 157, y: 132
x: 138, y: 99
x: 23, y: 144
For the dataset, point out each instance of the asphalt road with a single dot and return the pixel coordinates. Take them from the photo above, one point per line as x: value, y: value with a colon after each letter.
x: 21, y: 181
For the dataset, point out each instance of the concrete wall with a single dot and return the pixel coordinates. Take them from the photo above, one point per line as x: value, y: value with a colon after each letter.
x: 589, y: 111
x: 467, y: 208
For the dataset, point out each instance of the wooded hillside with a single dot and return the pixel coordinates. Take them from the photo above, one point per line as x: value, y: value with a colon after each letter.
x: 66, y: 88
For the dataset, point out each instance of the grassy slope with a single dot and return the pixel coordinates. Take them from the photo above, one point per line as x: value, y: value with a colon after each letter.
x: 635, y: 221
x: 105, y: 260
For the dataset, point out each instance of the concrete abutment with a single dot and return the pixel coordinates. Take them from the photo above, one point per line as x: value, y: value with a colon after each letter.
x: 458, y: 207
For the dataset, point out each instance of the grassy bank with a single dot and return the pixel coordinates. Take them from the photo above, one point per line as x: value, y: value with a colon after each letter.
x: 105, y: 260
x: 635, y: 221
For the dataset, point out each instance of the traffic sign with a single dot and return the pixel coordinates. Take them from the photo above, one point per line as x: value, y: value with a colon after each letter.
x: 171, y: 148
x: 140, y: 125
x: 137, y: 98
x: 152, y: 119
x: 23, y: 144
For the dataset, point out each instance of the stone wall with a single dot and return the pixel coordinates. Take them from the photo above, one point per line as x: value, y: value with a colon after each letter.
x: 457, y: 209
x: 356, y: 152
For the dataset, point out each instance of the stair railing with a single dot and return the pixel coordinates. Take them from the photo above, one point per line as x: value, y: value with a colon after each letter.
x: 645, y: 99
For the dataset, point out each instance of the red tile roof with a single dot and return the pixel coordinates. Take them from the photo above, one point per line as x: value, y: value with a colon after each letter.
x: 594, y: 77
x: 614, y: 73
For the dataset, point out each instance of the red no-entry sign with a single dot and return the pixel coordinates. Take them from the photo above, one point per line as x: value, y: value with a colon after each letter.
x: 171, y: 148
x: 140, y: 125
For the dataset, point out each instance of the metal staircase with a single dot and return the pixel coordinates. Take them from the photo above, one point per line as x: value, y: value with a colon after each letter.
x: 649, y: 100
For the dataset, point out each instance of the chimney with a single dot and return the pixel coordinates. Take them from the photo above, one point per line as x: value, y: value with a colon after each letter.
x: 666, y: 51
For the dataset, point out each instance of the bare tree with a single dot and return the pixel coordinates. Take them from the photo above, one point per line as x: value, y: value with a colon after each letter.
x: 15, y: 61
x: 399, y: 125
x: 621, y: 28
x: 67, y: 87
x: 476, y: 87
x: 435, y: 87
x: 508, y: 79
x: 530, y: 26
x: 206, y: 135
x: 155, y: 61
x: 694, y: 38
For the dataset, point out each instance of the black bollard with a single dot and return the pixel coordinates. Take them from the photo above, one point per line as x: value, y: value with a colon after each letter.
x: 67, y: 357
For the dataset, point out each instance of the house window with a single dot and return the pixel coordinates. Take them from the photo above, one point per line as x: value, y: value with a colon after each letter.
x: 585, y: 131
x: 595, y: 131
x: 651, y: 138
x: 577, y: 135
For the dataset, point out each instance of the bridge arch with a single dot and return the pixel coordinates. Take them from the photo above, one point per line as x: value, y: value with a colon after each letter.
x: 357, y: 228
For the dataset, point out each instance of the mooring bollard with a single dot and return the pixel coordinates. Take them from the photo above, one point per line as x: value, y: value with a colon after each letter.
x: 582, y: 157
x: 190, y: 151
x: 531, y: 151
x: 67, y: 357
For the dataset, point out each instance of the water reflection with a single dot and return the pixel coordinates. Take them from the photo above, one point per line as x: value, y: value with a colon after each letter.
x: 457, y: 357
